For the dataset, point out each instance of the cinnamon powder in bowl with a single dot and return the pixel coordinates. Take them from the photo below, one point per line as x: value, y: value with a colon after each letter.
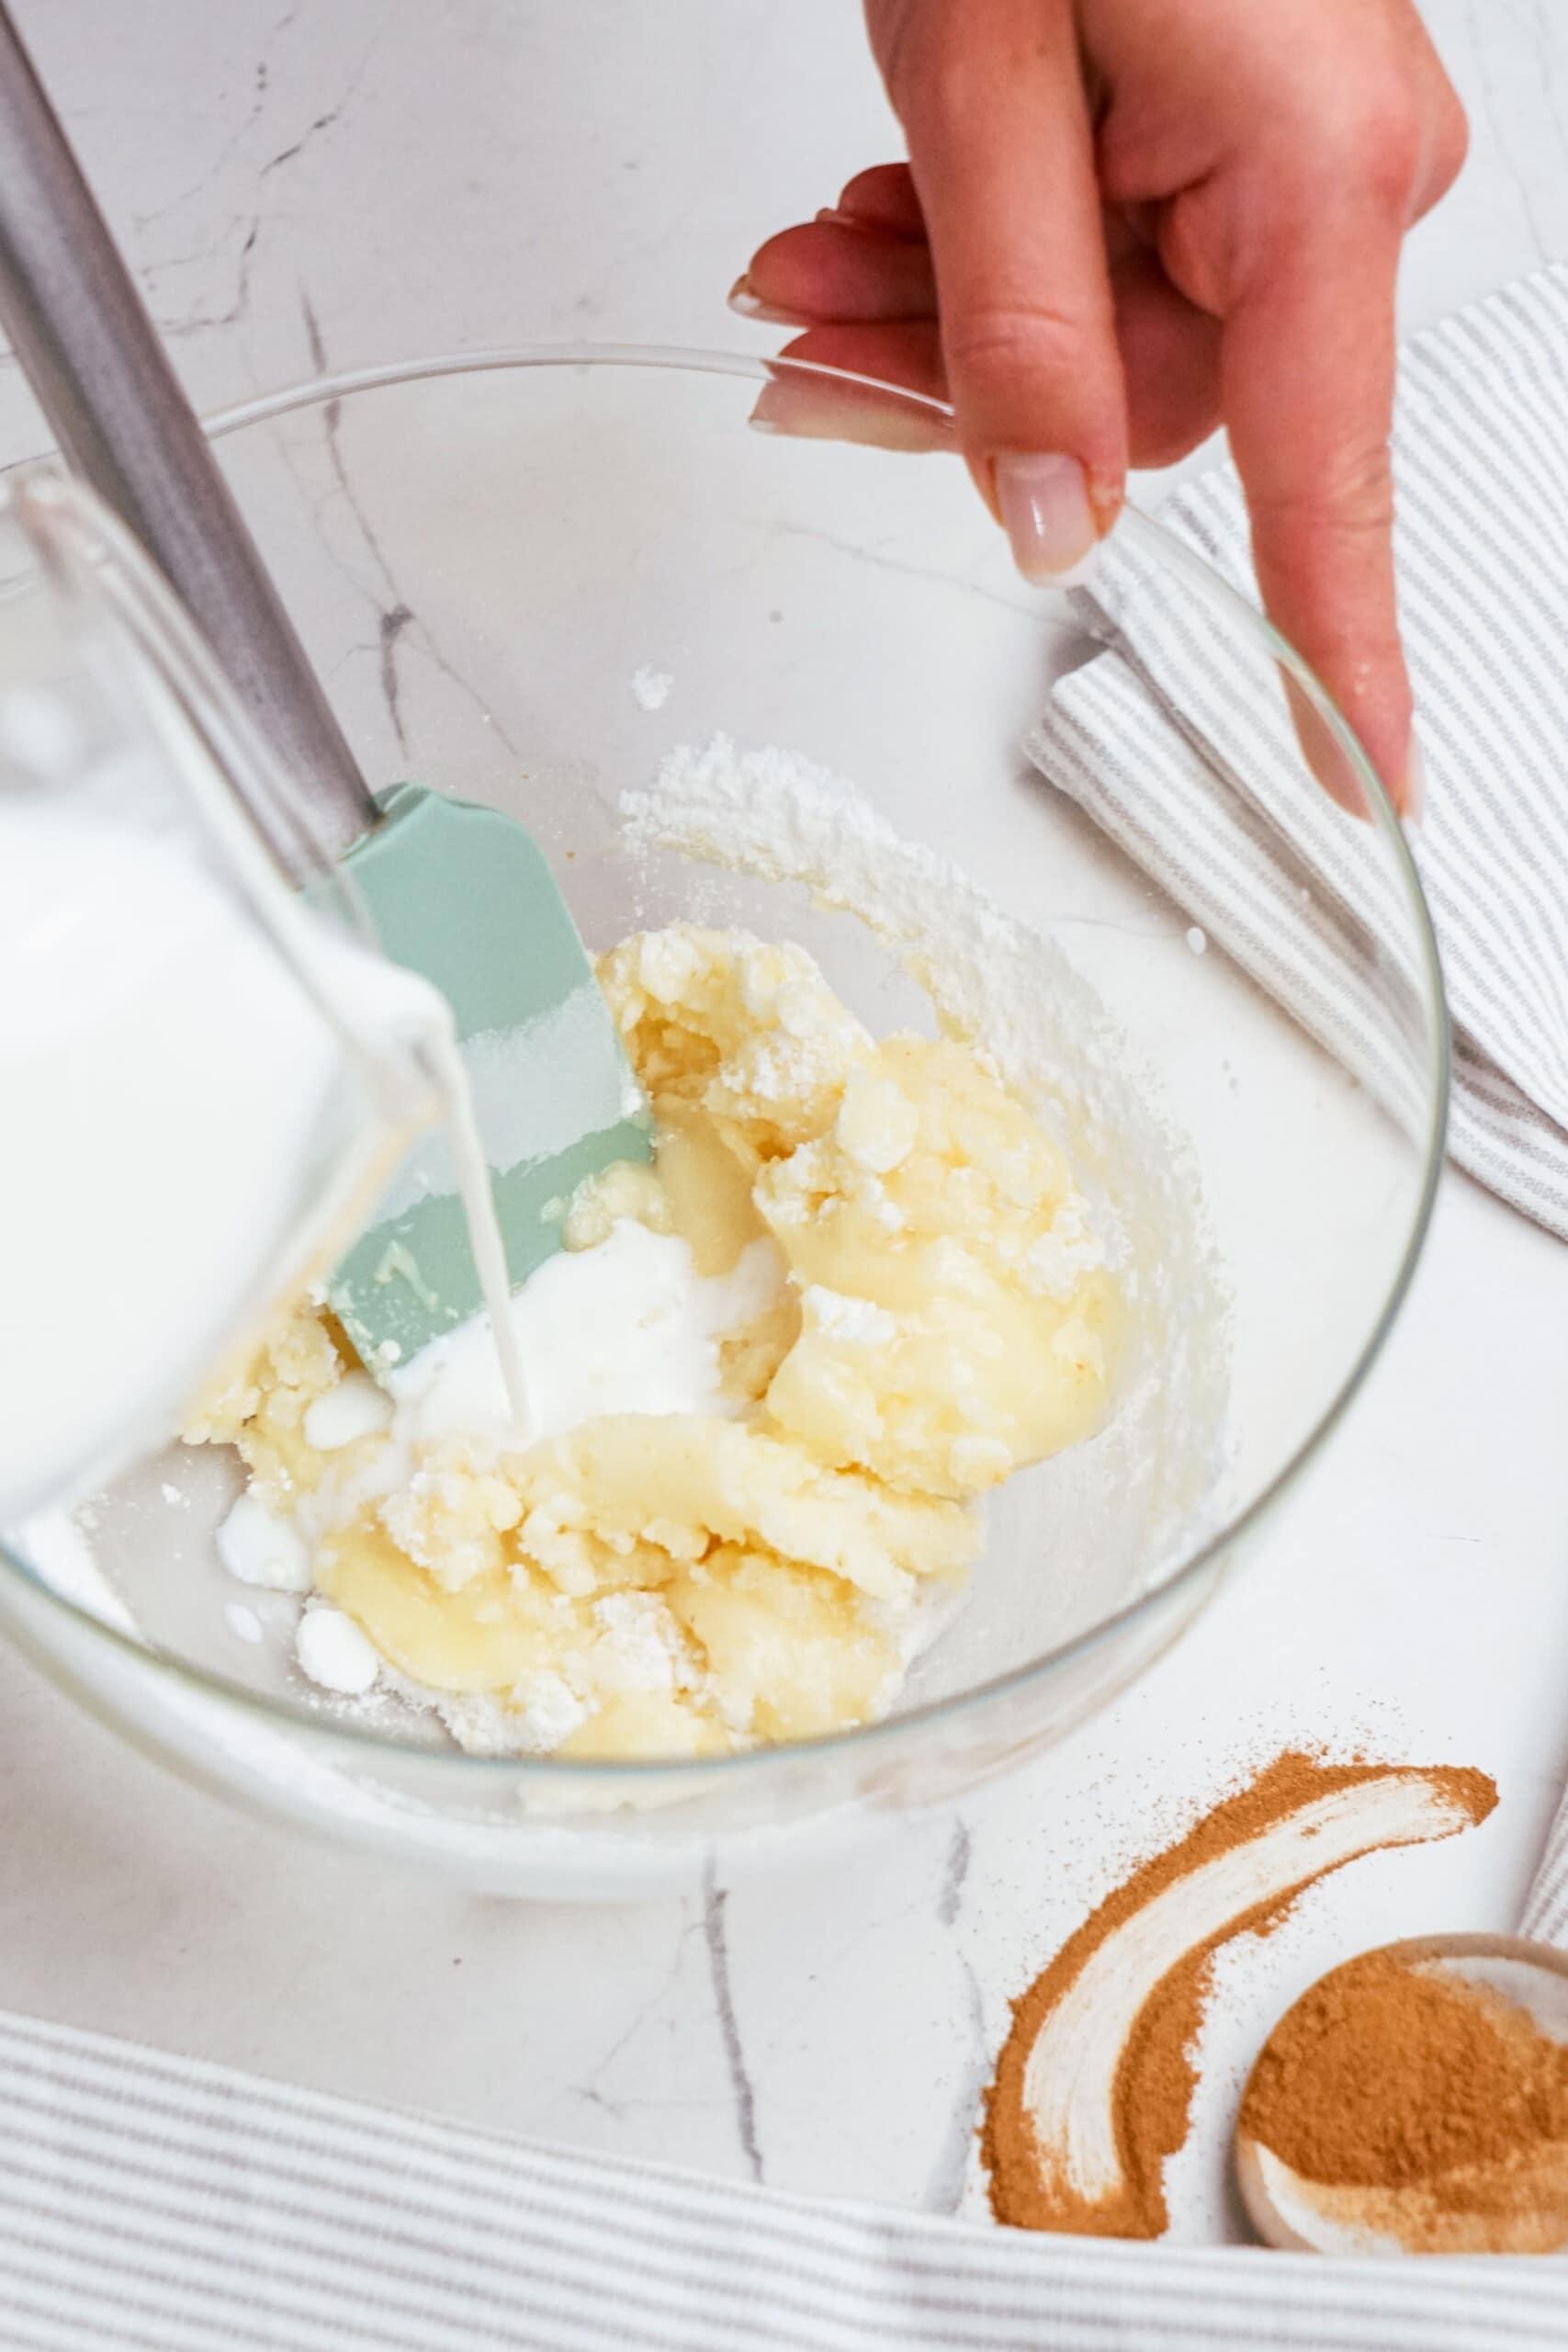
x: 1416, y: 2099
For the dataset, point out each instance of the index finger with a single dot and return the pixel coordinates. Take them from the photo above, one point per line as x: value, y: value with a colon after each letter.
x: 1307, y: 376
x: 992, y: 101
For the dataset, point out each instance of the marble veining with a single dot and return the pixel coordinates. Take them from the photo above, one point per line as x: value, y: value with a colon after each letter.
x: 328, y: 186
x: 715, y: 1898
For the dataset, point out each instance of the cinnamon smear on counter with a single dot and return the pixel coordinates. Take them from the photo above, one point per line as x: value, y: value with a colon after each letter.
x: 1156, y: 2076
x: 1392, y: 2076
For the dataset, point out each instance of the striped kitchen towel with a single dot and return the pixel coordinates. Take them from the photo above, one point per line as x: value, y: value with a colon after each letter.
x: 1185, y: 756
x: 1546, y: 1907
x: 151, y: 2203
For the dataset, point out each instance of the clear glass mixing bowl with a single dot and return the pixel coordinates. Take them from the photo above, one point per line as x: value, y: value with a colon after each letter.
x: 482, y: 554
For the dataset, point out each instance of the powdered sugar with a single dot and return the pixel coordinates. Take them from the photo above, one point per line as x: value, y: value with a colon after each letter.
x: 639, y: 1641
x: 332, y: 1652
x: 531, y: 1719
x: 259, y: 1547
x: 1059, y: 1260
x: 857, y: 1320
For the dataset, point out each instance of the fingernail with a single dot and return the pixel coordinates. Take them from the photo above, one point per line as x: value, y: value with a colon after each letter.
x: 1415, y: 809
x: 1047, y: 514
x: 750, y: 305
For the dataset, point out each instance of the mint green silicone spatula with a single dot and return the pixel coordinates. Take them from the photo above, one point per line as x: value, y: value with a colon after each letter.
x: 460, y: 894
x: 463, y: 895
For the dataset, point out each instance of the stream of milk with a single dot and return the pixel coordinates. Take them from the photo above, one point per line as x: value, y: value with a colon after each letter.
x: 456, y: 1095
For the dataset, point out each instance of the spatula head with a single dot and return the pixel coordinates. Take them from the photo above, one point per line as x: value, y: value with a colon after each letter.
x: 463, y: 896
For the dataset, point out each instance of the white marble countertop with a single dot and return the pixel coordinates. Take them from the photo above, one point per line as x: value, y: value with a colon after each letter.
x: 333, y: 180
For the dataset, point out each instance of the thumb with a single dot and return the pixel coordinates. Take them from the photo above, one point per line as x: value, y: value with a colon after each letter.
x: 992, y: 101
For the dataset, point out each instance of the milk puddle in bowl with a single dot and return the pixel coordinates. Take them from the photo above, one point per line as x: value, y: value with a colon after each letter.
x: 743, y: 1493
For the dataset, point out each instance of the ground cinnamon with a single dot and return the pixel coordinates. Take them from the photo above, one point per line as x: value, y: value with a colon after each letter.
x: 1155, y: 2076
x: 1396, y: 2075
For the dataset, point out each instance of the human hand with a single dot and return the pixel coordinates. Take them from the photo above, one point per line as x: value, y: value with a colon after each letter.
x: 1125, y: 223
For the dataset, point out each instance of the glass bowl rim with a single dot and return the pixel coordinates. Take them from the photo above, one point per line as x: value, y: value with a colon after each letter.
x: 651, y: 1772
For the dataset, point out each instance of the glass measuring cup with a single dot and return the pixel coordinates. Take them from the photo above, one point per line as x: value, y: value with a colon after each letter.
x: 199, y: 1093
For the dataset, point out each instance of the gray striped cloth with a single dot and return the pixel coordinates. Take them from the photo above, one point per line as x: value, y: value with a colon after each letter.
x: 1546, y: 1907
x: 1175, y: 743
x: 151, y: 2203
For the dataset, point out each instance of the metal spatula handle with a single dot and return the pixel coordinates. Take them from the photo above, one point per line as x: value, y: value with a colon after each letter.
x: 92, y: 357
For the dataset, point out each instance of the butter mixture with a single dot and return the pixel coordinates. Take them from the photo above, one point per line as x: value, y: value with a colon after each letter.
x: 774, y: 1372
